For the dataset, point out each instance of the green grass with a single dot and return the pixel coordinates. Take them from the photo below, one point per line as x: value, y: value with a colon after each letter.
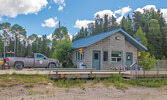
x: 148, y: 82
x: 22, y: 79
x: 30, y: 81
x: 120, y: 83
x: 67, y: 83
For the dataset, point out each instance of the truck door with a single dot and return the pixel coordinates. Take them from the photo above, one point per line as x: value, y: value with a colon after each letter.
x: 41, y: 61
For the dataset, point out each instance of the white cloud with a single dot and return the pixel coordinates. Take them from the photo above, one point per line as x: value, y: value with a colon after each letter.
x: 147, y: 7
x: 39, y: 36
x: 119, y: 19
x: 164, y: 14
x: 49, y: 7
x: 61, y: 4
x: 51, y: 22
x: 60, y: 8
x: 82, y: 23
x: 150, y: 7
x: 12, y: 8
x: 50, y: 36
x: 123, y: 11
x: 104, y: 12
x: 70, y: 36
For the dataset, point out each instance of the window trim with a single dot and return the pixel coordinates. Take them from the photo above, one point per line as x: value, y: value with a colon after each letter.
x: 107, y: 56
x: 81, y: 56
x: 117, y: 57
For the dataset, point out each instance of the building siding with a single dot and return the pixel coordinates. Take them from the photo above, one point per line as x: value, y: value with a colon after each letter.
x: 108, y: 44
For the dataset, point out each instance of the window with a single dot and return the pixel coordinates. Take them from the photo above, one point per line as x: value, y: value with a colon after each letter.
x: 96, y: 56
x: 40, y: 56
x: 79, y: 57
x: 116, y: 56
x: 105, y: 56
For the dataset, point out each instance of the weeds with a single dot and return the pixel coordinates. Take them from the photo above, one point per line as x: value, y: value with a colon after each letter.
x: 67, y: 83
x: 22, y: 79
x: 96, y: 80
x: 116, y: 80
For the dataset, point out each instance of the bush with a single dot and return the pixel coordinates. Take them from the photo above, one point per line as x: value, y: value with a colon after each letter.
x: 148, y: 62
x: 61, y: 52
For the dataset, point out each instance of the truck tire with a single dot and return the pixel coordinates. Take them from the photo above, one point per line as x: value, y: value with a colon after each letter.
x: 18, y: 66
x: 52, y: 65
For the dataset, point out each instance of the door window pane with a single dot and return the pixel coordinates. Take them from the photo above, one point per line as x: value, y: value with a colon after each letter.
x: 95, y: 55
x: 128, y: 57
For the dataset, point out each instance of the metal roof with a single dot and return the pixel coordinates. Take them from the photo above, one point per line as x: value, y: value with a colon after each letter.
x: 87, y: 41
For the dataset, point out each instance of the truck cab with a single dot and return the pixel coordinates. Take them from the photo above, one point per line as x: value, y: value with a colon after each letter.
x: 37, y: 60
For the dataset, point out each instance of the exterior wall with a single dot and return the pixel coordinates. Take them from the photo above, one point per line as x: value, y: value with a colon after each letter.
x: 108, y: 44
x: 130, y: 48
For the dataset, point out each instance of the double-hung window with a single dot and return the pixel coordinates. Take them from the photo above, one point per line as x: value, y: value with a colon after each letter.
x: 116, y: 56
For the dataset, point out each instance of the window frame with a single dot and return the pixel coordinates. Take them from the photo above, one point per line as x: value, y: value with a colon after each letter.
x: 107, y: 56
x: 117, y: 57
x: 78, y: 56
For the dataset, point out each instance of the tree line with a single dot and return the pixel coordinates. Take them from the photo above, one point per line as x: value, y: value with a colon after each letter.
x: 23, y: 45
x: 149, y: 26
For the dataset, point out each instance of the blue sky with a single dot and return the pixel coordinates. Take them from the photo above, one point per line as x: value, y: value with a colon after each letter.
x: 33, y: 15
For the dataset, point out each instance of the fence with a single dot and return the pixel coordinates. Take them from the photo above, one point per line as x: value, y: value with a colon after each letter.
x: 160, y: 71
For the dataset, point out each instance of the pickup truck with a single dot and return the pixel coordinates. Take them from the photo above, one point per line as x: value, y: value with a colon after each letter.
x: 36, y: 60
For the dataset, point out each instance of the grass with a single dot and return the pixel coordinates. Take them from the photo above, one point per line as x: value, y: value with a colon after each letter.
x: 7, y: 80
x: 30, y: 81
x: 67, y: 83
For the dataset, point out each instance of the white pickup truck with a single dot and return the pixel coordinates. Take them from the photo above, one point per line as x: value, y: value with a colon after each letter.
x: 36, y: 60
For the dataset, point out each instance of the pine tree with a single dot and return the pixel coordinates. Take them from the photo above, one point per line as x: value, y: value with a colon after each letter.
x: 140, y: 34
x: 106, y: 23
x: 43, y: 51
x: 155, y: 38
x: 113, y: 22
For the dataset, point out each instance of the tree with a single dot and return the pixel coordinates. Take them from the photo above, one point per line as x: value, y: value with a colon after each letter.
x: 163, y: 28
x: 148, y: 62
x: 62, y: 49
x: 106, y: 23
x: 44, y: 45
x: 126, y: 24
x: 97, y: 24
x: 113, y: 23
x: 19, y: 32
x: 155, y: 38
x: 28, y: 50
x: 140, y: 34
x: 1, y: 45
x: 58, y: 34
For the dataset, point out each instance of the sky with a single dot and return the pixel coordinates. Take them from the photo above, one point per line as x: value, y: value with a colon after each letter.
x: 42, y: 16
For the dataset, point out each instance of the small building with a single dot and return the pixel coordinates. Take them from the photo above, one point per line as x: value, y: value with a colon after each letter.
x: 110, y: 50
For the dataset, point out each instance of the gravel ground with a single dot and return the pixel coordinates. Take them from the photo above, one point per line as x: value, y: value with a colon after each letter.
x: 86, y: 92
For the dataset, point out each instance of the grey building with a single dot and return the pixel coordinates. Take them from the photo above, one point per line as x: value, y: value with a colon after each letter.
x: 110, y: 50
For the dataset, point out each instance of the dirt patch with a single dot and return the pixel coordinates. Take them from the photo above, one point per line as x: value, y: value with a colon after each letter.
x: 87, y: 91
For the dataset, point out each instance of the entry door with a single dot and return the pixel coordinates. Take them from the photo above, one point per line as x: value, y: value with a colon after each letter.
x: 96, y: 60
x: 129, y: 58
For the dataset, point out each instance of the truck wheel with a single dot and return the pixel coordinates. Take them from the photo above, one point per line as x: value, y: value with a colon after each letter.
x: 19, y: 66
x: 52, y: 65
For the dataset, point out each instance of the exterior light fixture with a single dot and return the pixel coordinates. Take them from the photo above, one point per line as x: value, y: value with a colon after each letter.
x: 117, y: 37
